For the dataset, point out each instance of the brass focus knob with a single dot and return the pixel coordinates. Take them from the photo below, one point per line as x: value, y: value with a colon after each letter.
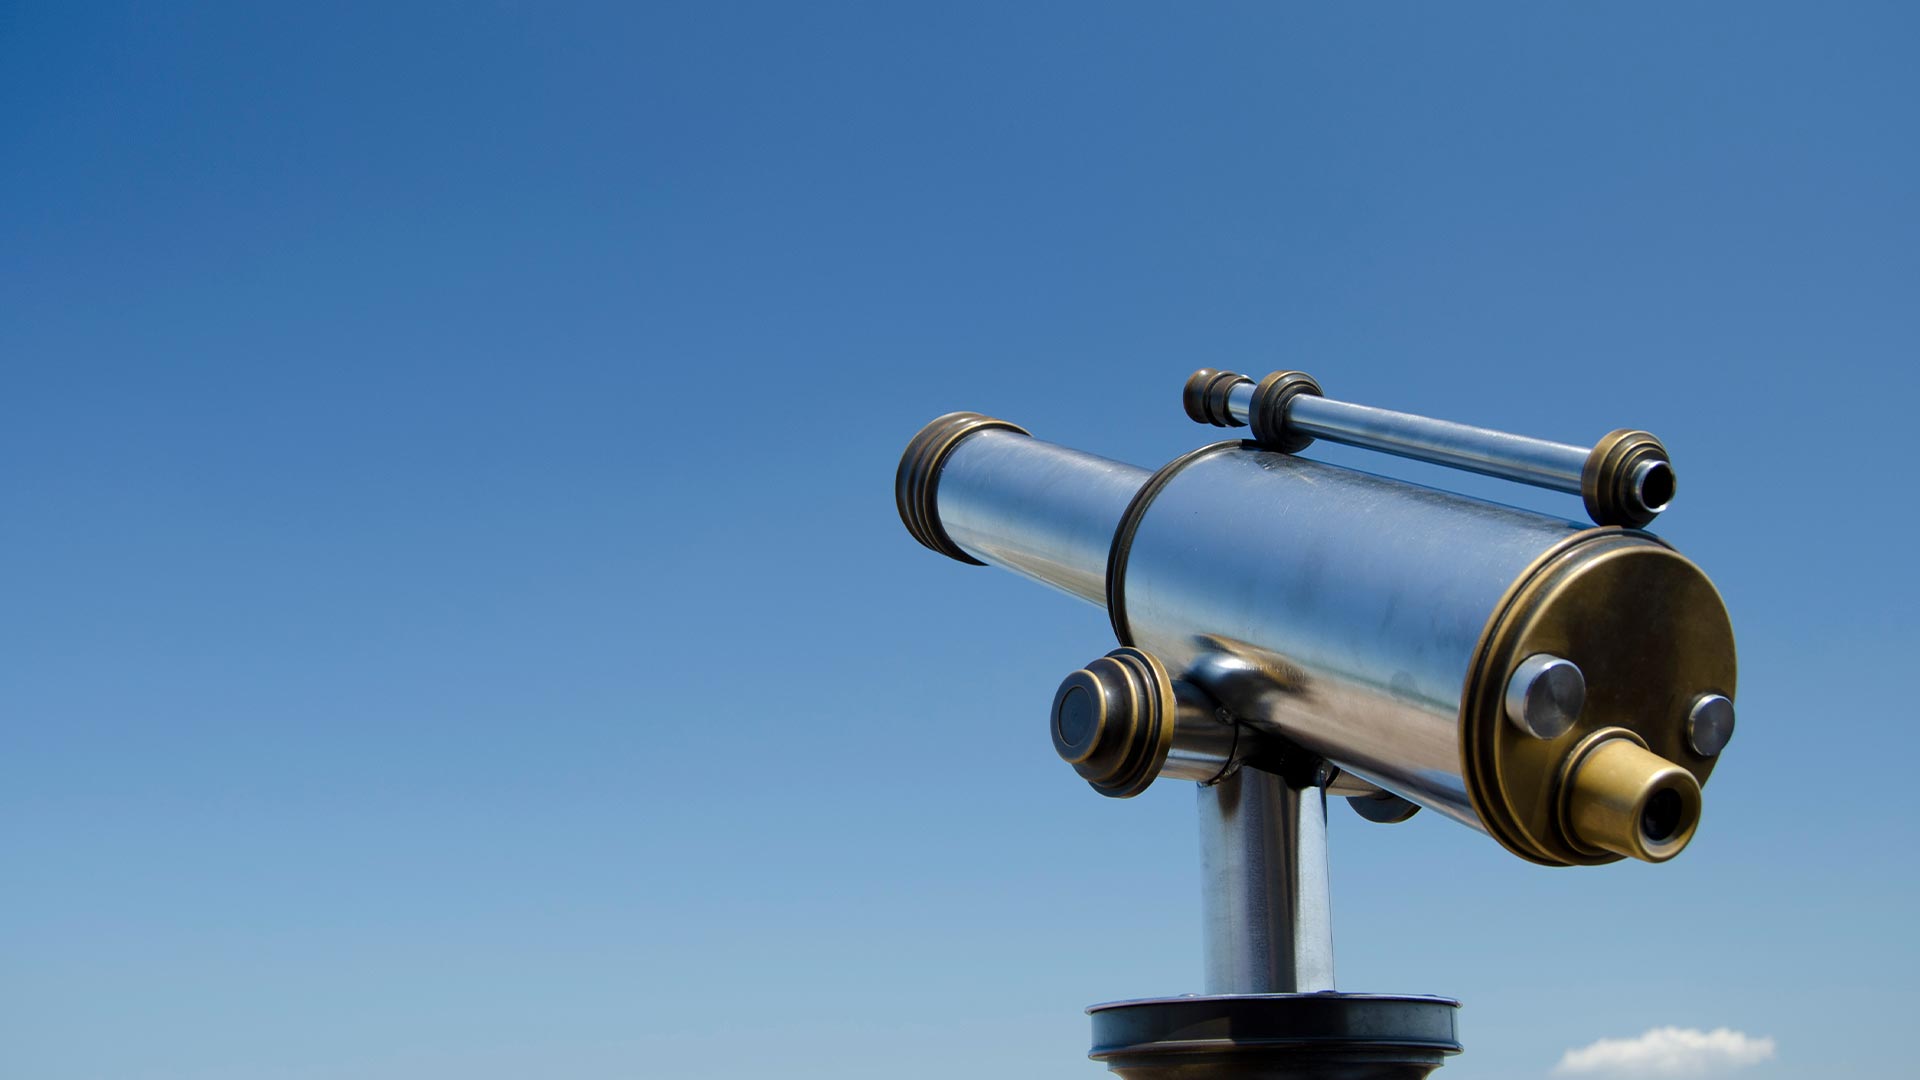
x: 1113, y: 721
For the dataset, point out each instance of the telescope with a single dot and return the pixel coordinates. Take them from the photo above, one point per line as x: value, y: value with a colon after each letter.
x: 1291, y: 629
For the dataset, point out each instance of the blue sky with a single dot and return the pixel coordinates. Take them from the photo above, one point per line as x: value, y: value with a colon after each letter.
x: 456, y: 622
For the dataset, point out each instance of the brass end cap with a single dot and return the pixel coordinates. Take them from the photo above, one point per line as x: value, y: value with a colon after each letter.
x: 916, y: 482
x: 1618, y: 796
x: 1652, y: 638
x: 1269, y: 415
x: 1205, y: 397
x: 1113, y: 721
x: 1628, y: 479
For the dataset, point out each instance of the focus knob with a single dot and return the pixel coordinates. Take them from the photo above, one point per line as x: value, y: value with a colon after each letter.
x: 1113, y: 721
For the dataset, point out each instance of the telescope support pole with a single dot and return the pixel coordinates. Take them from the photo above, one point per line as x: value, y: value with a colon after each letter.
x: 1270, y: 1009
x: 1265, y: 915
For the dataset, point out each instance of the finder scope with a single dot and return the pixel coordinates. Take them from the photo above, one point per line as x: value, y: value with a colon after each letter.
x: 1565, y: 687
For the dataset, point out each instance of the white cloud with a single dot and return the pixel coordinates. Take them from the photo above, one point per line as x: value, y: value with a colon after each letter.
x: 1668, y: 1051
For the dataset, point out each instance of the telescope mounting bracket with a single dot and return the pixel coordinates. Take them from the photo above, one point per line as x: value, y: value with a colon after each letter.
x: 1270, y: 1007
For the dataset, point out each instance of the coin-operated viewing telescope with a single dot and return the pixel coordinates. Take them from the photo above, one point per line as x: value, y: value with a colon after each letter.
x: 1291, y: 629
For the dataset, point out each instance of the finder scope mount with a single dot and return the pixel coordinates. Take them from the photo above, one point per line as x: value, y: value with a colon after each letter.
x: 1291, y: 629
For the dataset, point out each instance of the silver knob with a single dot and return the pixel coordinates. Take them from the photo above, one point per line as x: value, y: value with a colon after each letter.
x: 1545, y: 695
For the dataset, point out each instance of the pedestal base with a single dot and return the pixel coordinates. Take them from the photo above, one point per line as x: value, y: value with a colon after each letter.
x: 1325, y: 1036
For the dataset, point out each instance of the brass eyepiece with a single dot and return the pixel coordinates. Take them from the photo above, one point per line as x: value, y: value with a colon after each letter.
x: 1618, y: 796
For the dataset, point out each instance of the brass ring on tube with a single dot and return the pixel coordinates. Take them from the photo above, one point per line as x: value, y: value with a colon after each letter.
x: 1269, y: 415
x: 917, y: 481
x: 1130, y: 523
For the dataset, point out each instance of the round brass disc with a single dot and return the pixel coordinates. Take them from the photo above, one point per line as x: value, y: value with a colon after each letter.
x: 1649, y: 632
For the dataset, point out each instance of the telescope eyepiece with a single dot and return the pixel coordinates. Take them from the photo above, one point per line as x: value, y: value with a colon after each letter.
x: 1620, y: 797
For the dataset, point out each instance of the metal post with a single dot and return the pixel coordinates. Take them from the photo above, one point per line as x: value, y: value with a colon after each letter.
x: 1266, y: 920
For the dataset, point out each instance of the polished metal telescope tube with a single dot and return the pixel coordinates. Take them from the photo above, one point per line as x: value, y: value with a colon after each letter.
x: 1035, y: 508
x: 1043, y: 510
x: 1382, y: 625
x: 1364, y: 597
